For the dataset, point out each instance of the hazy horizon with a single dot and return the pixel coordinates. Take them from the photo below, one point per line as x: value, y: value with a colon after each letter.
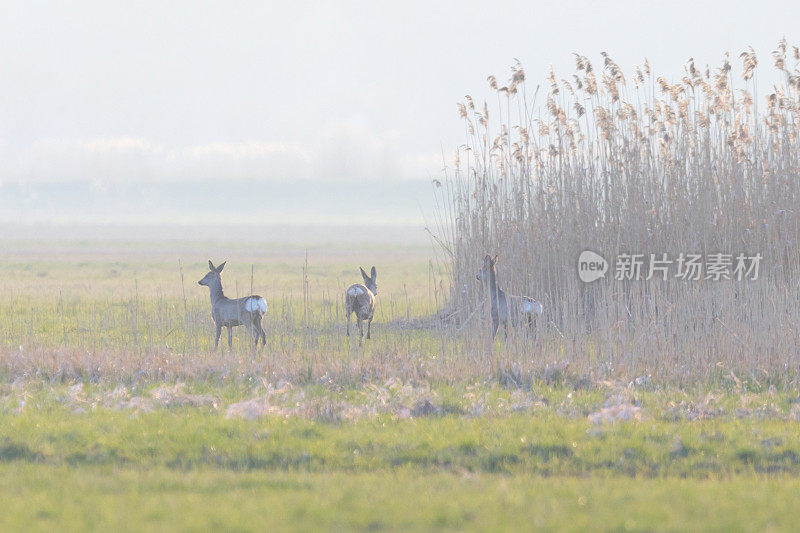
x: 220, y: 202
x: 115, y: 112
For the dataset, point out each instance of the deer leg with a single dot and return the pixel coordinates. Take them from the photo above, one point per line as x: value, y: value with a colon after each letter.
x: 257, y: 328
x: 495, y: 325
x: 360, y: 330
x: 216, y: 338
x: 254, y: 333
x: 263, y: 334
x: 348, y: 322
x: 369, y: 327
x: 230, y: 337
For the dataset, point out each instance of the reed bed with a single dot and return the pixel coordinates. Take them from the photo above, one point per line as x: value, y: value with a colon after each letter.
x: 635, y: 162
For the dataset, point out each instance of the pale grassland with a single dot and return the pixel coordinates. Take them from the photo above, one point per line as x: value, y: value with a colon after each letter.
x: 114, y: 305
x: 120, y: 310
x: 115, y: 413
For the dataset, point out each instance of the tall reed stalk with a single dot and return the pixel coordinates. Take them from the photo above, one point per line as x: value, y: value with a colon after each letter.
x: 635, y: 163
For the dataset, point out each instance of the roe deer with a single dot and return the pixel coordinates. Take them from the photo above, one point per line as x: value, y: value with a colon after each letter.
x: 229, y: 313
x: 506, y: 309
x: 360, y: 299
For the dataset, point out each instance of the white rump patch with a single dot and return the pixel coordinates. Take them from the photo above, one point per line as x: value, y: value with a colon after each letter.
x: 355, y: 290
x: 256, y: 305
x: 532, y: 306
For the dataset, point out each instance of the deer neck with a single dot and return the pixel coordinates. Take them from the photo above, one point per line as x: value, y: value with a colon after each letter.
x: 493, y: 288
x: 215, y: 288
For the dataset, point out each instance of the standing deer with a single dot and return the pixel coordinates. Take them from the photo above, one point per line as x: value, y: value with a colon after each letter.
x: 505, y: 309
x: 360, y: 299
x: 229, y: 313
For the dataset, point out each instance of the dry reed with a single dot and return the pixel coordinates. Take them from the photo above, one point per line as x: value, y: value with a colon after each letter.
x: 635, y: 163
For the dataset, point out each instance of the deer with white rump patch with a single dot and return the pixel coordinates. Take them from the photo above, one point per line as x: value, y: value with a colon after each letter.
x: 228, y: 313
x: 360, y: 299
x: 505, y: 309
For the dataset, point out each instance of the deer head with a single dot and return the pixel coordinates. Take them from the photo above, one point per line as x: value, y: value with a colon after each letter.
x: 488, y: 266
x: 369, y: 281
x: 213, y: 274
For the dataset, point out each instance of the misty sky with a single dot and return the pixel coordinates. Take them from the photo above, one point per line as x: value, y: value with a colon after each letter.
x: 351, y: 91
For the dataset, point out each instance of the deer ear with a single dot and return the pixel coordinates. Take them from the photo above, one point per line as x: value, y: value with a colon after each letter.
x: 494, y: 261
x: 219, y: 268
x: 363, y: 274
x: 373, y: 273
x: 211, y: 265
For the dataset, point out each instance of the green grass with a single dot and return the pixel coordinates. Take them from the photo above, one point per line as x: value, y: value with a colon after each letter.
x: 191, y: 469
x: 483, y: 458
x: 543, y: 442
x: 40, y: 498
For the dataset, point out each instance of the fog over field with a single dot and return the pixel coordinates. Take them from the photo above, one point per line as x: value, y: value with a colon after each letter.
x: 224, y: 202
x: 261, y: 112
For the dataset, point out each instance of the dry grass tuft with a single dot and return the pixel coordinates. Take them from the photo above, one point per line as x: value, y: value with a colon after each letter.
x: 175, y: 396
x: 252, y: 409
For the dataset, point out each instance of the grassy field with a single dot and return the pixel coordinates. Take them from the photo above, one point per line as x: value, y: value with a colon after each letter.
x: 96, y: 498
x: 93, y: 458
x: 116, y: 414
